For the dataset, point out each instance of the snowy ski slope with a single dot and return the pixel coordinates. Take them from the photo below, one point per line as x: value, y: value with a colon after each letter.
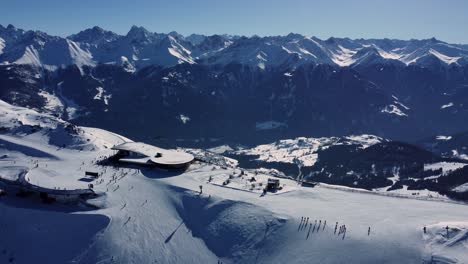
x: 154, y: 216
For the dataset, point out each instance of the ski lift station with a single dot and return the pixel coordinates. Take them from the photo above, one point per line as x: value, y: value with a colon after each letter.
x: 144, y: 154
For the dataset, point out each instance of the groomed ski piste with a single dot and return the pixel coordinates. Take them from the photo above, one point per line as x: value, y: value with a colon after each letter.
x: 149, y: 215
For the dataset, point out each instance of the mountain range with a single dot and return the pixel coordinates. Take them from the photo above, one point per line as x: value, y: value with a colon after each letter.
x: 140, y: 48
x: 206, y: 89
x: 365, y: 134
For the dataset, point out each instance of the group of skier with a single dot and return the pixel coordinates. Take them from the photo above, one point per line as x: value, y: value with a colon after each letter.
x: 317, y: 226
x: 342, y: 230
x: 305, y: 221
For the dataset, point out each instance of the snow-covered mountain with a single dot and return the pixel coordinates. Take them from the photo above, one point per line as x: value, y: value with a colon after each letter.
x: 245, y: 103
x: 148, y: 215
x: 27, y: 124
x: 141, y: 48
x: 304, y: 151
x: 41, y: 50
x: 359, y: 161
x: 332, y: 109
x: 94, y: 36
x: 247, y: 89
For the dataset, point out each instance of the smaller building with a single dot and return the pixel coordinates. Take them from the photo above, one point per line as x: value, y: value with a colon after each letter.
x: 53, y: 186
x: 92, y: 174
x: 273, y: 184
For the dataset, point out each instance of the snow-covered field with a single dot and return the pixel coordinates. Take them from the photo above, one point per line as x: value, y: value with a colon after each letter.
x: 155, y: 216
x: 302, y: 150
x: 445, y: 166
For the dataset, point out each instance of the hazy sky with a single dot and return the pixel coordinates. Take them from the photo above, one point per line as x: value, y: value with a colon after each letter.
x: 444, y: 19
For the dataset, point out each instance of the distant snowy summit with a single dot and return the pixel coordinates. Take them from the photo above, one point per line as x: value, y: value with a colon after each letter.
x: 140, y: 48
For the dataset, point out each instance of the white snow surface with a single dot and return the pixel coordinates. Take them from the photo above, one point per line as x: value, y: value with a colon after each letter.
x: 183, y: 118
x: 101, y: 95
x: 11, y: 173
x: 221, y: 149
x: 148, y: 215
x: 457, y: 154
x: 446, y: 59
x: 53, y: 102
x: 344, y: 56
x: 30, y: 56
x: 443, y: 138
x: 446, y: 245
x: 445, y: 166
x: 423, y: 194
x: 13, y: 117
x: 56, y: 131
x: 446, y: 105
x: 393, y: 110
x: 79, y: 56
x: 461, y: 188
x: 54, y: 54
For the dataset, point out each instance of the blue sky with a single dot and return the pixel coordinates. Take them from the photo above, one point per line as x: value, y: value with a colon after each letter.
x: 404, y: 19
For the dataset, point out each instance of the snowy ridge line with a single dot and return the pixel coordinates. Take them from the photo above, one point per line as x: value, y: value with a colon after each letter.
x: 394, y: 195
x: 140, y: 48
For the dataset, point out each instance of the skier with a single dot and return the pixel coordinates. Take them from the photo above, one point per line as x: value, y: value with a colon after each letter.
x: 424, y: 229
x: 307, y: 221
x: 320, y: 223
x: 300, y: 224
x: 336, y: 226
x: 308, y: 233
x: 447, y: 228
x: 201, y: 189
x: 368, y: 231
x: 324, y: 224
